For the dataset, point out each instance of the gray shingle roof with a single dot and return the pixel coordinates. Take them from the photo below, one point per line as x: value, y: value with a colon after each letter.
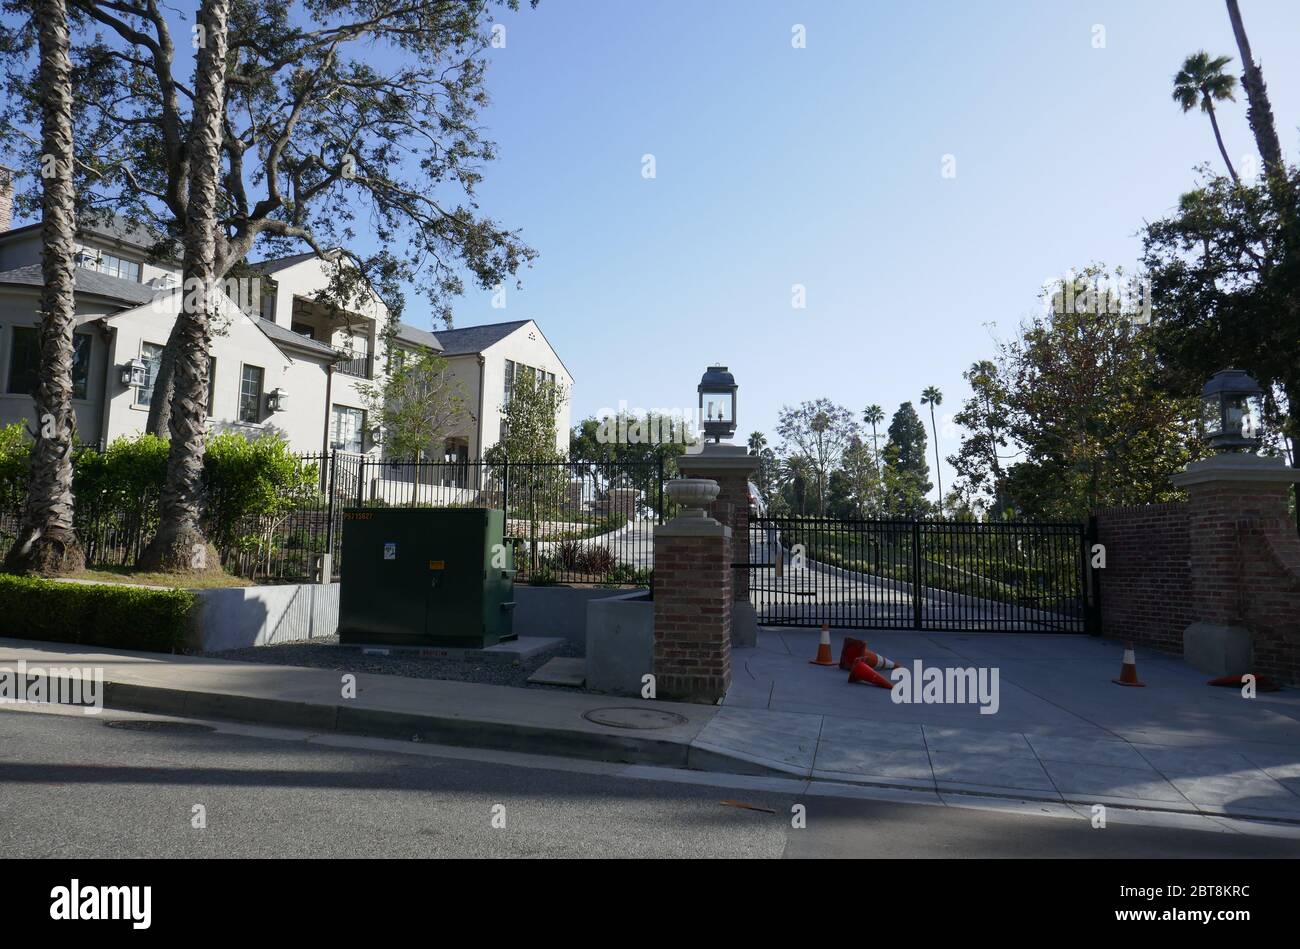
x: 283, y: 336
x: 114, y: 228
x: 280, y: 263
x: 86, y: 281
x: 475, y: 339
x: 407, y: 333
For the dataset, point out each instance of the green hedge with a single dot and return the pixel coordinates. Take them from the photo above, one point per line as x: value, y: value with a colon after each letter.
x: 92, y: 614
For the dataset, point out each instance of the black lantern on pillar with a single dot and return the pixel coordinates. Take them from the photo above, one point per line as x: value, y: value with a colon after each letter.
x: 718, y: 403
x: 1232, y: 411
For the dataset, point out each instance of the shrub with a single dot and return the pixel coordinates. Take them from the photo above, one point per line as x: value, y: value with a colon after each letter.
x: 598, y: 559
x: 104, y: 615
x: 260, y: 479
x: 570, y: 554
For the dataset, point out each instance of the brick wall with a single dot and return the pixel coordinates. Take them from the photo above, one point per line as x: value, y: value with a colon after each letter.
x: 1229, y: 555
x: 1246, y: 569
x: 731, y: 507
x: 692, y: 601
x: 1146, y: 588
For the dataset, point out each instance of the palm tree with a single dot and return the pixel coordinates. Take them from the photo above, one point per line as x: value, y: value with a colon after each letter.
x: 179, y: 544
x: 757, y: 442
x: 795, y: 474
x: 874, y: 415
x: 931, y: 396
x: 47, y: 541
x: 1202, y: 80
x: 1260, y: 112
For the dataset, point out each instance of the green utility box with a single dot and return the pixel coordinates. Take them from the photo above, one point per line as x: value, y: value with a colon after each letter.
x: 425, y: 577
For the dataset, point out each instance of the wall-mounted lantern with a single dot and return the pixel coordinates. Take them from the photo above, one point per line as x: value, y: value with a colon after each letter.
x: 717, y: 390
x: 1232, y: 411
x: 277, y: 400
x: 134, y: 374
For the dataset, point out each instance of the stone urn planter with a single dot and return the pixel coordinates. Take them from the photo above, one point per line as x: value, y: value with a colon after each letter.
x: 692, y: 495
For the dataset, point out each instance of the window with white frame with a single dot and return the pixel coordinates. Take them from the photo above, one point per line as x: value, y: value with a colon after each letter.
x: 151, y: 356
x: 250, y: 394
x: 92, y: 258
x: 347, y: 429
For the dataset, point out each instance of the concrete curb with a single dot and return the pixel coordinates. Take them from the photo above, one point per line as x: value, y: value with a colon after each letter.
x: 379, y: 723
x: 583, y: 744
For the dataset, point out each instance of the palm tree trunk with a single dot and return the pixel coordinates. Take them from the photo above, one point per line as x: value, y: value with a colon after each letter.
x: 938, y: 475
x: 160, y: 404
x: 1214, y: 122
x: 180, y: 544
x: 47, y: 541
x: 1260, y: 112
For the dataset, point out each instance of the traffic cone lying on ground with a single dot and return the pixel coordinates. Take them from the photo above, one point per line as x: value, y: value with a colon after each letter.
x: 1128, y: 671
x: 863, y: 673
x: 851, y: 652
x: 1262, y: 683
x: 876, y: 660
x: 824, y: 649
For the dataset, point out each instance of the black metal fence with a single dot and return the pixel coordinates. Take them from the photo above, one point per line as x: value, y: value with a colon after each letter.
x: 568, y: 522
x: 906, y: 574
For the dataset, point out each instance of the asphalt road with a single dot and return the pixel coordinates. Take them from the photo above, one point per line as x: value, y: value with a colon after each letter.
x: 72, y: 787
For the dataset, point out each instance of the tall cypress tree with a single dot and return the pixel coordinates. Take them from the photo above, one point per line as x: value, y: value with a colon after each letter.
x: 907, y: 474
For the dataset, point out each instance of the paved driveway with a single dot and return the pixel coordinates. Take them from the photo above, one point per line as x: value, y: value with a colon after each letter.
x: 1062, y: 729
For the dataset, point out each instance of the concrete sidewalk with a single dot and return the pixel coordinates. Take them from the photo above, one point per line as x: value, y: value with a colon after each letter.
x: 539, y: 721
x: 1063, y: 731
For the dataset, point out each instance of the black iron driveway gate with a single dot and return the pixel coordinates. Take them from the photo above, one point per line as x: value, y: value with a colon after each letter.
x: 905, y: 574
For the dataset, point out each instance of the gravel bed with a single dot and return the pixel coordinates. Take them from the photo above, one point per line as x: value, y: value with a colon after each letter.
x: 326, y: 653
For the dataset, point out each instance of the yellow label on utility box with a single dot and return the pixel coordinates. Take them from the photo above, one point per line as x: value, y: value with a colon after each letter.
x: 437, y: 565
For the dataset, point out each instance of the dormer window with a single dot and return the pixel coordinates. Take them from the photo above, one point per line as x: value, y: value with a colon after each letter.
x: 91, y: 258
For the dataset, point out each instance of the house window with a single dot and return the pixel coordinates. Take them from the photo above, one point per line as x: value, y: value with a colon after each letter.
x: 304, y: 329
x: 212, y: 384
x: 346, y: 429
x: 510, y: 382
x: 90, y: 258
x: 25, y: 362
x: 250, y: 394
x: 151, y: 356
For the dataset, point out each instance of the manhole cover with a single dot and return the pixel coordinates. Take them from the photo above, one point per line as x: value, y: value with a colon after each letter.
x: 622, y: 716
x: 153, y: 725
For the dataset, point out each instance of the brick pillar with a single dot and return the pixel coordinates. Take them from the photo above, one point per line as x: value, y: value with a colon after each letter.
x: 731, y: 466
x: 1244, y: 564
x: 692, y: 608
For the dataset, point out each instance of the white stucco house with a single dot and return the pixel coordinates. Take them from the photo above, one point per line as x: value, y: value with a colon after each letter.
x: 283, y: 362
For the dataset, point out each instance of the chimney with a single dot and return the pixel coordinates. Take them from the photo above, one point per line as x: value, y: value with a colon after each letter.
x: 6, y: 197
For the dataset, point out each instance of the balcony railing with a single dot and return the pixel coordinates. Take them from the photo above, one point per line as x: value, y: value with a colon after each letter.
x: 362, y: 365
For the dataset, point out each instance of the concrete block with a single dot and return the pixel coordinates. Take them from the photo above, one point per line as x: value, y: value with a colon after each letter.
x: 620, y: 642
x: 556, y: 611
x: 1218, y: 650
x: 744, y: 625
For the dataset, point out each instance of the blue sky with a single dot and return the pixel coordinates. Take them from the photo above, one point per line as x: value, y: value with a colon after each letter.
x: 821, y: 166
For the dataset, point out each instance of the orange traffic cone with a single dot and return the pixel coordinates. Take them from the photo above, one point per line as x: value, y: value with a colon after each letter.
x: 1128, y: 672
x: 824, y: 649
x: 1262, y: 683
x: 864, y: 674
x: 877, y: 661
x: 851, y: 652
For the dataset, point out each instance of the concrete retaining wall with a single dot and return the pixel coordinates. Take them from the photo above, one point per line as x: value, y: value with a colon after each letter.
x: 620, y: 642
x: 557, y: 611
x: 239, y: 617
